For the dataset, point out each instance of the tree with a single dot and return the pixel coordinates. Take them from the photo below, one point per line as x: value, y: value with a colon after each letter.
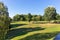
x: 22, y: 18
x: 50, y: 13
x: 38, y: 18
x: 16, y: 17
x: 34, y: 17
x: 4, y: 21
x: 58, y: 17
x: 26, y: 17
x: 29, y: 17
x: 10, y: 19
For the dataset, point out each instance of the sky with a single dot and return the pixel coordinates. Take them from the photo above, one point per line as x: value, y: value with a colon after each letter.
x: 30, y: 6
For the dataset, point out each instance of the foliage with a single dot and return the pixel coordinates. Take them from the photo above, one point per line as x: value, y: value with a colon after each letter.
x: 22, y: 18
x: 58, y: 17
x: 29, y: 17
x: 34, y: 17
x: 50, y: 13
x: 4, y: 21
x: 16, y: 17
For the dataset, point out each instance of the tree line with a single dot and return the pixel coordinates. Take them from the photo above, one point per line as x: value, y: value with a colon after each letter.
x: 49, y: 14
x: 28, y: 17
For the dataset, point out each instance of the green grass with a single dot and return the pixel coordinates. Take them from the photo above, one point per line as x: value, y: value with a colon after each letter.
x: 24, y: 30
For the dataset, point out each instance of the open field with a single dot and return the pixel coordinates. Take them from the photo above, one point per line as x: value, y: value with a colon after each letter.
x: 27, y: 31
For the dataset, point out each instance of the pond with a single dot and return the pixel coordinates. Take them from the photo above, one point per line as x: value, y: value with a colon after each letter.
x: 57, y: 37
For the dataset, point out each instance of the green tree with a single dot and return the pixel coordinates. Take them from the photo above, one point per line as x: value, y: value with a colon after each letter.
x: 16, y: 17
x: 29, y: 17
x: 58, y: 17
x: 22, y: 17
x: 38, y: 18
x: 50, y: 13
x: 26, y: 17
x: 34, y: 17
x: 4, y: 21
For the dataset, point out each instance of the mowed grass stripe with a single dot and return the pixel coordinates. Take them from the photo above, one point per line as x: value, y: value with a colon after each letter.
x: 48, y: 29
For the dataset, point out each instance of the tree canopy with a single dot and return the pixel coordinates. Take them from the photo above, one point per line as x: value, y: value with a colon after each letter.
x: 4, y: 21
x: 50, y: 13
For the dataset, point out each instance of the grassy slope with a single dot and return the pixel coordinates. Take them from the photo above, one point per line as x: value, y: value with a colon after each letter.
x: 49, y: 28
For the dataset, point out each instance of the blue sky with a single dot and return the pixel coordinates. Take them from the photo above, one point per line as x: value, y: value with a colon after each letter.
x: 30, y: 6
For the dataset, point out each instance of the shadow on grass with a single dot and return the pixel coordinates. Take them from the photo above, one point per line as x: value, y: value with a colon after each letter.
x: 41, y: 36
x: 16, y: 25
x: 21, y: 31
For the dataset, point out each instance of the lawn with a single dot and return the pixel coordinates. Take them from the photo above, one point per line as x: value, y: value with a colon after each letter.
x: 23, y: 30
